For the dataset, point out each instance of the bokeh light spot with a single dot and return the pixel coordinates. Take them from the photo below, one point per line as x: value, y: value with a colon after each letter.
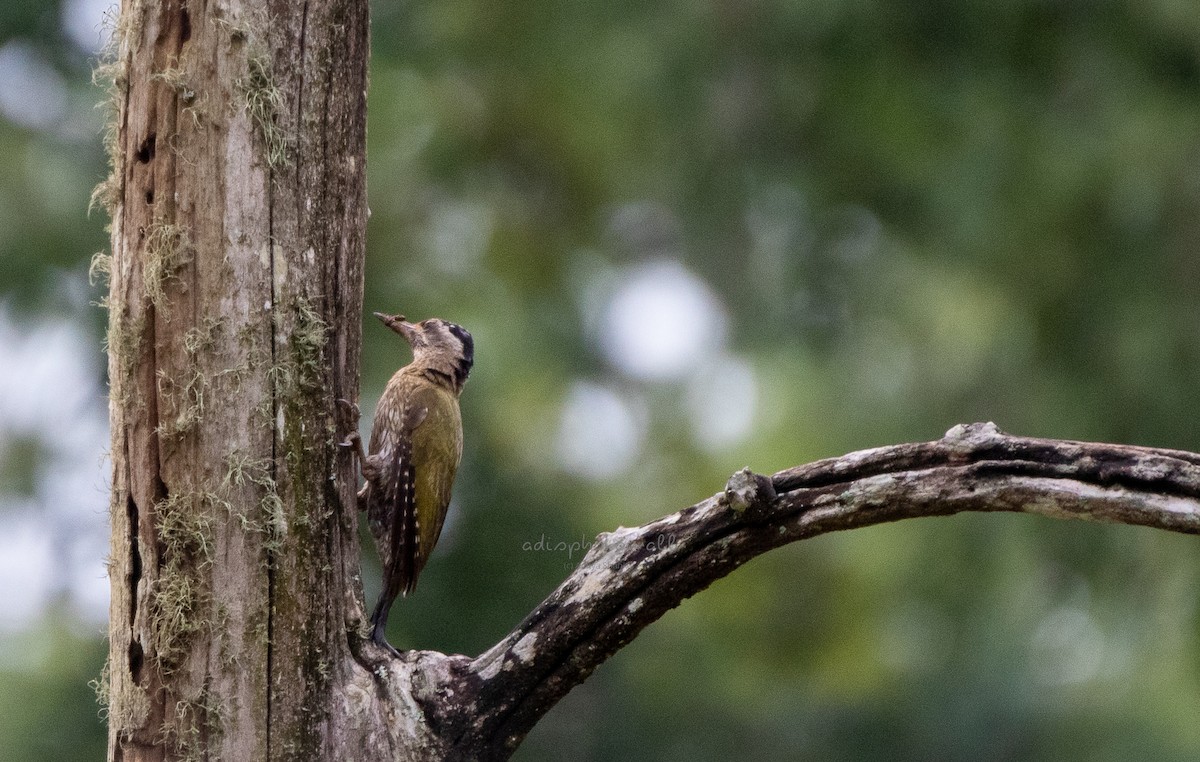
x: 600, y: 433
x: 661, y: 322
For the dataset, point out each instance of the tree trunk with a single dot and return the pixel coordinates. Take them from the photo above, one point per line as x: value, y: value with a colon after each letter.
x: 239, y: 210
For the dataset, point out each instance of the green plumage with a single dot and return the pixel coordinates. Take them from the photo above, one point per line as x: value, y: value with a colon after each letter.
x: 428, y: 417
x: 416, y: 445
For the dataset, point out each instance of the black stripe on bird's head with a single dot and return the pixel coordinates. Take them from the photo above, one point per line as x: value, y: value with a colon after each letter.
x: 465, y: 357
x: 468, y: 343
x: 436, y: 343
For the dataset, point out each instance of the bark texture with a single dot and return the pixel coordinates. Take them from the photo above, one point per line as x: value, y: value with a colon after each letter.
x: 631, y: 577
x: 238, y: 206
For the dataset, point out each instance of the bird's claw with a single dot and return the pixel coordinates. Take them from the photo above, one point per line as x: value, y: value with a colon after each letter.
x: 353, y: 438
x: 389, y: 648
x: 379, y: 639
x: 352, y: 411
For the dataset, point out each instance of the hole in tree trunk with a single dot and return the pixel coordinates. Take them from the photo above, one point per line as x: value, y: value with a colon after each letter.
x: 135, y: 660
x: 145, y: 151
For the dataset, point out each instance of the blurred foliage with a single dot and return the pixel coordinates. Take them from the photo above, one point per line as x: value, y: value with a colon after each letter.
x: 912, y: 215
x: 50, y: 708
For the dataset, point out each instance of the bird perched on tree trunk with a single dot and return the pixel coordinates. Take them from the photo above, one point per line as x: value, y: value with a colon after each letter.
x: 415, y: 449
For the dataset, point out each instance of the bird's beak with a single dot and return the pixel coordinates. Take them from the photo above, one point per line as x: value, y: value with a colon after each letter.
x: 401, y: 326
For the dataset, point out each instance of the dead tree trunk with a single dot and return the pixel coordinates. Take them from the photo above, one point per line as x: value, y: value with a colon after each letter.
x: 237, y: 629
x: 238, y: 212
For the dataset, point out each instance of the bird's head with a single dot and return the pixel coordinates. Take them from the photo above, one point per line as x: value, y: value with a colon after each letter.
x: 438, y: 344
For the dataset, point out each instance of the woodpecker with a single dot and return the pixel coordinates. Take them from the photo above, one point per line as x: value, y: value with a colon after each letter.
x: 415, y: 449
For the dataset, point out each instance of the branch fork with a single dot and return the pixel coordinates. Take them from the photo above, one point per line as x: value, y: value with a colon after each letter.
x: 630, y: 577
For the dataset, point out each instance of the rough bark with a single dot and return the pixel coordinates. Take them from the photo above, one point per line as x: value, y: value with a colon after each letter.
x: 630, y: 577
x: 238, y: 207
x: 236, y: 631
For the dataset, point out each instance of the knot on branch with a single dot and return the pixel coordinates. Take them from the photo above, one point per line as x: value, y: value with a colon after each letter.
x: 747, y: 490
x: 968, y: 436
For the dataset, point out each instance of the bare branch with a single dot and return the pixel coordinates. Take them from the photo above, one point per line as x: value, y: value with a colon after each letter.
x: 484, y: 707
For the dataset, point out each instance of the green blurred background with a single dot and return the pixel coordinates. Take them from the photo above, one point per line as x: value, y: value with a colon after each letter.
x: 689, y: 237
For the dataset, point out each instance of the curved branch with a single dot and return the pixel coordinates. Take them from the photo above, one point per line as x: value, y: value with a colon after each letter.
x: 484, y: 707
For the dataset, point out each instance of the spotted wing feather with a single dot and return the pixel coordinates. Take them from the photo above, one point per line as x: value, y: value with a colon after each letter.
x: 392, y: 501
x: 416, y: 445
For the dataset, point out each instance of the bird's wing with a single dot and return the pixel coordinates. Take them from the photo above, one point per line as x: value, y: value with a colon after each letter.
x: 394, y: 517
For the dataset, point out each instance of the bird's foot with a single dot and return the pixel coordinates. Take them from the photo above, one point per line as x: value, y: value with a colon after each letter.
x: 380, y: 639
x: 351, y: 411
x: 353, y: 438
